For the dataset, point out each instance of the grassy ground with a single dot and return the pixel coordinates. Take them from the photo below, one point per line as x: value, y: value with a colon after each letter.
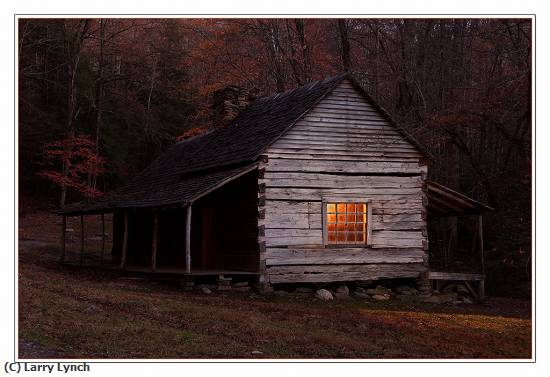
x: 68, y: 312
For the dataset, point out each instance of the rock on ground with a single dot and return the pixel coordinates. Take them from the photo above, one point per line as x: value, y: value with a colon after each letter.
x: 361, y: 295
x: 381, y: 297
x: 343, y: 289
x: 378, y: 291
x: 324, y: 295
x: 441, y: 299
x: 205, y: 290
x: 403, y: 288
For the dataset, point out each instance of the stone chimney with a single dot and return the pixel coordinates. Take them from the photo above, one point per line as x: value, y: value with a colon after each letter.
x: 228, y: 102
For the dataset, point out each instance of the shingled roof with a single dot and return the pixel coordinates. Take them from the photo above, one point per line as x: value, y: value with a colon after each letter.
x: 192, y: 167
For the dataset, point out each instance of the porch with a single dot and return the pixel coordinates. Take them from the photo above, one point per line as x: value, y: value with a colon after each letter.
x: 215, y: 234
x: 456, y: 247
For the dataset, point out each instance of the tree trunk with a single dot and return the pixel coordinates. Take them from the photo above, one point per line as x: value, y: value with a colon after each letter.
x: 344, y: 44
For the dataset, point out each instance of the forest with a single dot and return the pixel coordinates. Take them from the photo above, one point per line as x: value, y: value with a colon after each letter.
x: 99, y: 99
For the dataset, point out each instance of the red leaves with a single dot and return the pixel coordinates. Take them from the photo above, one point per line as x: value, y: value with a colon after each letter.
x: 70, y: 162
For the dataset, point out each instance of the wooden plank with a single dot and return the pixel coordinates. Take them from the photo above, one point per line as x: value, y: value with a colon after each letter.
x: 342, y: 167
x: 397, y: 234
x: 343, y: 116
x: 328, y: 273
x: 392, y: 204
x: 125, y: 241
x: 297, y: 256
x: 369, y: 225
x: 291, y: 221
x: 367, y: 179
x: 398, y: 218
x: 344, y: 146
x: 324, y: 157
x: 308, y: 180
x: 154, y: 243
x: 439, y: 275
x: 188, y: 238
x: 343, y: 152
x: 346, y: 113
x: 289, y: 207
x: 380, y: 243
x: 366, y: 140
x: 322, y: 138
x: 326, y: 118
x: 305, y: 194
x: 359, y: 125
x: 406, y: 210
x: 287, y: 233
x: 314, y: 240
x: 341, y: 131
x: 400, y: 225
x: 63, y: 238
x: 347, y: 102
x: 81, y: 240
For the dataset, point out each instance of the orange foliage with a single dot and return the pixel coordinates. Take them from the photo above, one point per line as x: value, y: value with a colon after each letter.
x: 80, y: 160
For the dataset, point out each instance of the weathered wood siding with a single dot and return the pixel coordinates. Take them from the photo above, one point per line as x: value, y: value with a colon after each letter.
x: 342, y: 146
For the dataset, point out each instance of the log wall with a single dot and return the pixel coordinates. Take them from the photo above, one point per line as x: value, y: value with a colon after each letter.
x: 342, y: 147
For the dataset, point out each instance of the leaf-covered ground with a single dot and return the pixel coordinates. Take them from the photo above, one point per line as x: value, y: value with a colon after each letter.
x: 68, y: 312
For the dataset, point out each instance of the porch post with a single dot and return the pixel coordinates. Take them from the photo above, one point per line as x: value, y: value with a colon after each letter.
x: 155, y: 240
x: 480, y: 233
x: 102, y: 237
x: 188, y: 239
x: 81, y: 239
x: 63, y: 235
x: 125, y: 241
x: 481, y: 288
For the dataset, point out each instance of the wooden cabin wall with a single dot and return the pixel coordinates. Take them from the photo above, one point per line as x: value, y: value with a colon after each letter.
x: 342, y: 146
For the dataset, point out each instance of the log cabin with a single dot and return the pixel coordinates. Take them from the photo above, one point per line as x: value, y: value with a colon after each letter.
x: 316, y: 184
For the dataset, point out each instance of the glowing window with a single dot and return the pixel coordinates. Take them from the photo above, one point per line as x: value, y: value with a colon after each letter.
x: 346, y: 223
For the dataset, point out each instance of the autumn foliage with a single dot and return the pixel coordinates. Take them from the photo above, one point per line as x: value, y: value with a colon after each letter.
x: 71, y: 162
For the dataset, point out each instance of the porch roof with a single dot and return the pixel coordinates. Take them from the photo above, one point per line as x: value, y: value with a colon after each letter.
x: 173, y: 190
x: 443, y: 201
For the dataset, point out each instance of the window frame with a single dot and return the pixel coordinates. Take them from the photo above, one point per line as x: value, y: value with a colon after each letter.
x: 346, y: 199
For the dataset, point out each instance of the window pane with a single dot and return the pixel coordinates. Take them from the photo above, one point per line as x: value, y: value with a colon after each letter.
x: 346, y: 223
